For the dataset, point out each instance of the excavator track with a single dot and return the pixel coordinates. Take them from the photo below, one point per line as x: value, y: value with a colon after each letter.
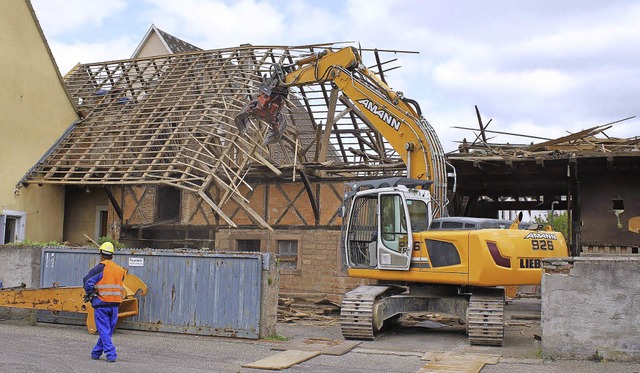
x: 357, y: 312
x: 485, y: 320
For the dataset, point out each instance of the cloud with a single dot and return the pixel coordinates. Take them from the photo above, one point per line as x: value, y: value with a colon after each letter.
x: 68, y: 55
x: 544, y: 66
x: 219, y: 24
x: 59, y: 17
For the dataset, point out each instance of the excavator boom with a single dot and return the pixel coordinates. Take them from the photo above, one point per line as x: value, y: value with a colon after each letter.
x: 395, y: 117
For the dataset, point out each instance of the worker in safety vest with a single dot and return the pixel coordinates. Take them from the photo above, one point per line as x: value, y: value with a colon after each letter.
x: 103, y: 285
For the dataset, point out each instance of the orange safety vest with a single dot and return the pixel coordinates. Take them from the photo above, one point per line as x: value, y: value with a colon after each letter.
x: 110, y: 287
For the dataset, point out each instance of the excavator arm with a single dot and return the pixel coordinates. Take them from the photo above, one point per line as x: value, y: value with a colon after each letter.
x: 396, y: 118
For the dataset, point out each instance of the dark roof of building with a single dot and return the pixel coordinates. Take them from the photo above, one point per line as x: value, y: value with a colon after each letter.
x: 177, y: 45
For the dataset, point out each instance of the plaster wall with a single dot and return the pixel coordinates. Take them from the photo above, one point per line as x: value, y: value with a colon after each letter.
x: 35, y: 110
x: 153, y: 47
x: 81, y: 214
x: 590, y: 308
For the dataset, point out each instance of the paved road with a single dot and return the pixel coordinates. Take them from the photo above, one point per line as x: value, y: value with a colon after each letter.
x: 63, y: 348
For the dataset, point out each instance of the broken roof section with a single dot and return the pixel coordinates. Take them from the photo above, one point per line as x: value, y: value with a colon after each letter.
x: 157, y: 42
x: 583, y: 143
x: 168, y: 120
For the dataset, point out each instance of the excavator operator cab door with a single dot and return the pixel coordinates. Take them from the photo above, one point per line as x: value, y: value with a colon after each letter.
x: 395, y: 238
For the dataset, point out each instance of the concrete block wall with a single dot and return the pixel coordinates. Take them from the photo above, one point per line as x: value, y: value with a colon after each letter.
x: 270, y: 289
x: 19, y: 265
x: 591, y: 308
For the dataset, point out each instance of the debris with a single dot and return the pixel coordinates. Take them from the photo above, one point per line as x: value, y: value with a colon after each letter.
x: 429, y: 319
x: 581, y: 142
x: 318, y: 311
x: 525, y: 317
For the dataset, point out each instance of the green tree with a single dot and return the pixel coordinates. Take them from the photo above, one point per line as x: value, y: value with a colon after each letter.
x: 559, y: 221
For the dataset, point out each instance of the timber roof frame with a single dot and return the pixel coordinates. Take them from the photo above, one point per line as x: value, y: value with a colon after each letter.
x: 168, y: 120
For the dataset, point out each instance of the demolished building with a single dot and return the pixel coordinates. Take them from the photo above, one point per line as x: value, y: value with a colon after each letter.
x: 156, y: 161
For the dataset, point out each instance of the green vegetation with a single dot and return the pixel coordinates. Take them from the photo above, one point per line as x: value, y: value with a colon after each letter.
x: 539, y: 353
x: 276, y: 337
x: 34, y: 243
x: 558, y: 221
x: 102, y: 240
x: 115, y: 242
x: 596, y: 357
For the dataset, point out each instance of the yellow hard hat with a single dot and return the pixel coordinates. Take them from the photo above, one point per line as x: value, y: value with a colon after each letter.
x: 107, y: 248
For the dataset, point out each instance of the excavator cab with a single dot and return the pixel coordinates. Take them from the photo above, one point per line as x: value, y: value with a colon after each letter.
x: 381, y: 222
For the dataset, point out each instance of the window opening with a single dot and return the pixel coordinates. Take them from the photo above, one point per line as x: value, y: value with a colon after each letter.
x: 102, y: 223
x: 168, y: 203
x: 288, y: 254
x: 248, y: 245
x: 12, y: 226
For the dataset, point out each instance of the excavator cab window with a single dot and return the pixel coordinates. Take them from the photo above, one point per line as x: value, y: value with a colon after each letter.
x: 419, y: 215
x: 393, y: 222
x: 363, y: 231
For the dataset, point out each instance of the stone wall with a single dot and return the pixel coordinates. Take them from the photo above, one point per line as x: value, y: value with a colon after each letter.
x: 590, y: 308
x: 318, y: 270
x: 320, y: 267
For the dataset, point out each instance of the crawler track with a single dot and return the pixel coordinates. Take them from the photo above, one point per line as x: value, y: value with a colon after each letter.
x: 485, y: 320
x: 357, y: 313
x: 356, y: 319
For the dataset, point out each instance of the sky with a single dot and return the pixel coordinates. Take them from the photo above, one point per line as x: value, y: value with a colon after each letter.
x: 544, y: 68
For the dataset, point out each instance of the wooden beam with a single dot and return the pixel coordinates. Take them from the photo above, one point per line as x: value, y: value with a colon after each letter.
x: 114, y: 202
x: 216, y: 208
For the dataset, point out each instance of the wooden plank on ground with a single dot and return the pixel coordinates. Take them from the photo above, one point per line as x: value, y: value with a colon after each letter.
x: 283, y: 360
x: 456, y: 362
x: 440, y: 355
x: 452, y: 367
x: 340, y: 349
x: 330, y: 347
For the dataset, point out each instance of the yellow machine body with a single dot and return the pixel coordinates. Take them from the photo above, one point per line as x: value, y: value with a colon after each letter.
x: 487, y: 257
x: 70, y: 299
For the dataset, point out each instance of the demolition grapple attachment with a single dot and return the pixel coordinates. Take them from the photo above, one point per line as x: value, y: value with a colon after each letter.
x: 272, y: 95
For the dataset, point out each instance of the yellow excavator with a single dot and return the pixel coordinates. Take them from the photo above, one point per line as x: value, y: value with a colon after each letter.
x: 386, y: 223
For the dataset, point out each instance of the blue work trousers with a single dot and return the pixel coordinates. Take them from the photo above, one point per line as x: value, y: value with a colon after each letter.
x: 106, y: 319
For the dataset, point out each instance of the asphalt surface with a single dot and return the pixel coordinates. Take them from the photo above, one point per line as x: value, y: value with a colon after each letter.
x: 62, y: 348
